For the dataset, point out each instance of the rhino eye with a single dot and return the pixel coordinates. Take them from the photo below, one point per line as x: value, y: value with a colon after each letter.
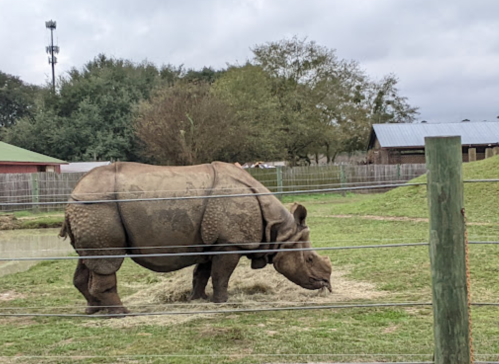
x: 310, y: 259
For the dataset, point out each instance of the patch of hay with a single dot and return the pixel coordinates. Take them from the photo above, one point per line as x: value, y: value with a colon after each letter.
x: 248, y: 289
x: 9, y: 222
x: 10, y: 295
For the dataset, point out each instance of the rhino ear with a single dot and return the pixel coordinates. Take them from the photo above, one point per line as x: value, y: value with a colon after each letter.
x: 299, y: 213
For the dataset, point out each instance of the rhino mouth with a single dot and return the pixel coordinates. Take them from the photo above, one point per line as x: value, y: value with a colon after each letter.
x: 320, y: 283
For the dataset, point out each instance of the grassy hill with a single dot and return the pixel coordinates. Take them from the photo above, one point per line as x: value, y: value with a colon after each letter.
x: 481, y: 199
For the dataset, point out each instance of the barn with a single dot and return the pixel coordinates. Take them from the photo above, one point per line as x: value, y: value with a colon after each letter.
x: 404, y: 143
x: 18, y: 160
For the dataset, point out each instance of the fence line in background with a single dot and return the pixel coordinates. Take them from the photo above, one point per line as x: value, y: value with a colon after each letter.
x: 51, y: 187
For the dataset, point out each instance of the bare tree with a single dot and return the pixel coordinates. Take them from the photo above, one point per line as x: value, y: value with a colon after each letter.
x: 185, y: 124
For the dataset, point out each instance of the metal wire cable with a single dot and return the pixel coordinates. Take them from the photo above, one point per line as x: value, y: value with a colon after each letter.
x: 374, y: 246
x: 204, y: 253
x: 208, y: 189
x: 207, y: 312
x: 235, y: 245
x: 83, y: 357
x: 195, y: 304
x: 345, y: 185
x: 219, y: 196
x: 344, y: 304
x: 225, y: 355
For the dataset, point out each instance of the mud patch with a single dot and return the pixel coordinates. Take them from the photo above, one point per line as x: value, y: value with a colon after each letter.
x: 248, y: 289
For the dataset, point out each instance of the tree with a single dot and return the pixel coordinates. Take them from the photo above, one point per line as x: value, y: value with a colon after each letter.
x: 327, y: 105
x: 206, y: 74
x: 185, y: 124
x: 310, y: 83
x: 91, y: 116
x: 17, y: 99
x: 247, y: 90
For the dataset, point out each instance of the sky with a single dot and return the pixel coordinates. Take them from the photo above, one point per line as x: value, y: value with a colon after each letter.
x: 445, y: 53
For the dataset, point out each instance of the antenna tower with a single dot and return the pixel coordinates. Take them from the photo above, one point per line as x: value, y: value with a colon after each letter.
x: 52, y: 49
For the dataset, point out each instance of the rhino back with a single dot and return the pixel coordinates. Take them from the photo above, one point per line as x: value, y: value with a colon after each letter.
x: 98, y: 184
x: 163, y: 224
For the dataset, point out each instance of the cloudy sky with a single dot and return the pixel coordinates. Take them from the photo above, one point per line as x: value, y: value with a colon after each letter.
x: 445, y: 52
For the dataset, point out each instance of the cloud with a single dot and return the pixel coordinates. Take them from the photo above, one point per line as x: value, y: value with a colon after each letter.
x: 444, y: 52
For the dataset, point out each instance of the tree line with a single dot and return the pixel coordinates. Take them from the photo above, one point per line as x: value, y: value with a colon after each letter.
x: 293, y: 100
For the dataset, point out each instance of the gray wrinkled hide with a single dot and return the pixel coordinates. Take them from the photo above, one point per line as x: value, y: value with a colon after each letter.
x: 169, y: 224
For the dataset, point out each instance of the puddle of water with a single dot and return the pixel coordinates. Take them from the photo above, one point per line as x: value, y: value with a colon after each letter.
x: 30, y: 243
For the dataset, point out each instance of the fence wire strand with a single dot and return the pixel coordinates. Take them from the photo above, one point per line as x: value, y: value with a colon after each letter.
x: 211, y: 253
x: 179, y: 198
x: 209, y: 312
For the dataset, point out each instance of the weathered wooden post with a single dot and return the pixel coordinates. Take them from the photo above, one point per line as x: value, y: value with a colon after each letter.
x: 472, y: 155
x: 278, y: 171
x: 447, y: 250
x: 35, y: 192
x: 489, y: 152
x: 343, y: 179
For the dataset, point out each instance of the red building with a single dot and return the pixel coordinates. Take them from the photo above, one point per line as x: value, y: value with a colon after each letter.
x: 18, y: 160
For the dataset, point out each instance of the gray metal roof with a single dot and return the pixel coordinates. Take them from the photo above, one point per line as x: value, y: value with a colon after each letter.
x: 79, y: 167
x: 412, y: 135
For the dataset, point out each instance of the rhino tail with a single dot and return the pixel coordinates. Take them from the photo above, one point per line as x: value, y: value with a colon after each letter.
x: 66, y: 231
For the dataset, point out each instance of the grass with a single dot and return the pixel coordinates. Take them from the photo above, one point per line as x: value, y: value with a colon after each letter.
x: 481, y: 199
x: 36, y: 220
x: 362, y: 334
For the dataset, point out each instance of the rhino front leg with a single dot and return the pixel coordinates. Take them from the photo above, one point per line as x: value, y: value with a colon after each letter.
x: 202, y: 273
x: 223, y: 266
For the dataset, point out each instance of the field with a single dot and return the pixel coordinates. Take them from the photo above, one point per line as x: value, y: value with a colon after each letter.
x: 330, y: 335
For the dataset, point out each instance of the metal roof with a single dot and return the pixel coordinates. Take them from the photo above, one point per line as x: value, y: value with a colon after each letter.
x: 412, y: 135
x: 79, y: 167
x: 11, y: 153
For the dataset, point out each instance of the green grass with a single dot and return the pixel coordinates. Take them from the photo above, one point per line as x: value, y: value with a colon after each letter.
x: 481, y: 199
x: 401, y: 274
x: 42, y: 222
x: 37, y: 220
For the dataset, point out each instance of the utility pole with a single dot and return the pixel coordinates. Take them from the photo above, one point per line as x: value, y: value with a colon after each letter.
x: 52, y: 49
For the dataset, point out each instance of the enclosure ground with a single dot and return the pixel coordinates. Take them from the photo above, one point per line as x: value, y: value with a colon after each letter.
x: 381, y: 275
x: 333, y: 335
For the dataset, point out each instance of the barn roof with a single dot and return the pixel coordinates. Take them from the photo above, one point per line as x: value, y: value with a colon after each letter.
x: 79, y: 167
x: 11, y: 153
x: 412, y: 135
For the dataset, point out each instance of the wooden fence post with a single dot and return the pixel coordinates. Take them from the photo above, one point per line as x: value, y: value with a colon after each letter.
x: 342, y: 179
x: 447, y: 250
x: 35, y: 191
x: 489, y: 152
x: 472, y: 155
x: 278, y: 172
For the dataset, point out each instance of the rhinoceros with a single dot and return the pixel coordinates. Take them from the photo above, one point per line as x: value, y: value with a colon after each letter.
x: 175, y: 214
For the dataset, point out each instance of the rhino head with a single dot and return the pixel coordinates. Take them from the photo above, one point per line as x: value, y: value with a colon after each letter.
x: 305, y: 268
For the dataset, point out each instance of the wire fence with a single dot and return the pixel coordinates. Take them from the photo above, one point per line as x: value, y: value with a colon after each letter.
x: 26, y: 189
x: 54, y: 200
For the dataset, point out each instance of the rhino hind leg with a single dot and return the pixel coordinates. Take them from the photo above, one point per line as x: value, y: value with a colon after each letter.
x: 81, y: 280
x: 97, y: 229
x: 103, y: 288
x: 201, y: 275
